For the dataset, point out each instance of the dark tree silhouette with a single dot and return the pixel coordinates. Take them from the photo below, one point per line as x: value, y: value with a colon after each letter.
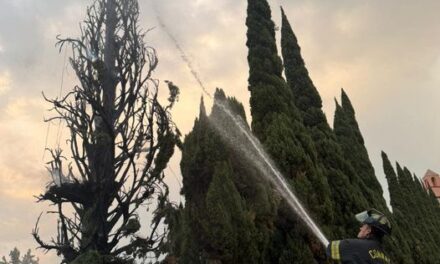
x: 16, y: 258
x: 121, y: 139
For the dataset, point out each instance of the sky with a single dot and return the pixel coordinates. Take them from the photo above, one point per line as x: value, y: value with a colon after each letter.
x: 385, y: 54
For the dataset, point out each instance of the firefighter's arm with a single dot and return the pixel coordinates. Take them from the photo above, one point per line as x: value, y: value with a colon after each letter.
x: 341, y: 250
x: 333, y: 250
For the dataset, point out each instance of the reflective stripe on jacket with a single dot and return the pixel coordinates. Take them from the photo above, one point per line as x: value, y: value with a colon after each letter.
x: 359, y: 251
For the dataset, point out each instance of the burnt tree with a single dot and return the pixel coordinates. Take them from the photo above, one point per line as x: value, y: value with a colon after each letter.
x: 121, y: 139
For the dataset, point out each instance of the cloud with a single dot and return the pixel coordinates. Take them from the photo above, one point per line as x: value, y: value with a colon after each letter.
x: 24, y: 108
x: 22, y: 175
x: 21, y: 167
x: 5, y: 81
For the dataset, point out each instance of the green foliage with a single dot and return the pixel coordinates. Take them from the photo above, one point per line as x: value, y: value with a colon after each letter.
x: 350, y: 138
x: 231, y: 215
x: 226, y: 211
x: 305, y: 94
x: 229, y: 227
x: 346, y: 188
x: 415, y: 216
x: 352, y: 143
x: 267, y: 87
x: 279, y: 125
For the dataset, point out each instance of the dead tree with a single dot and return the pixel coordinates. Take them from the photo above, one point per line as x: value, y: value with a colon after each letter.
x: 121, y: 139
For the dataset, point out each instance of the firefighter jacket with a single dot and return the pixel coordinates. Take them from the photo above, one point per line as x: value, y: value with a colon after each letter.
x: 358, y: 251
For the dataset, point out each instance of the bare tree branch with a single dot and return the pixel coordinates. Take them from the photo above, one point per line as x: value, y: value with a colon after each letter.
x: 121, y: 138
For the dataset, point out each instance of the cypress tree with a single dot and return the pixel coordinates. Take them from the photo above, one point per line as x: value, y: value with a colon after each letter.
x: 425, y: 215
x: 266, y: 85
x: 275, y: 120
x: 433, y: 204
x: 306, y: 96
x: 412, y: 213
x: 197, y: 169
x: 400, y: 250
x: 350, y: 138
x: 228, y: 209
x: 229, y: 227
x: 277, y: 123
x: 393, y: 184
x: 181, y: 245
x: 428, y: 212
x: 343, y: 179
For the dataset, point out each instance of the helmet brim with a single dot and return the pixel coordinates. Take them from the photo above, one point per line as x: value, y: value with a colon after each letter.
x: 362, y: 216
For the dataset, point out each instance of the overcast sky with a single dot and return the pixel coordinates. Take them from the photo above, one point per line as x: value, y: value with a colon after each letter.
x: 385, y: 54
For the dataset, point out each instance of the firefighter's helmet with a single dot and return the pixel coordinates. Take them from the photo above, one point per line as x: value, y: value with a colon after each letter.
x: 376, y: 219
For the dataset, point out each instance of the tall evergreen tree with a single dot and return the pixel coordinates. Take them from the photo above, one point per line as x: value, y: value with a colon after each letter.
x: 434, y: 206
x: 350, y: 138
x: 420, y: 206
x: 306, y: 96
x: 277, y: 123
x: 343, y: 179
x: 229, y: 227
x: 266, y: 85
x: 227, y: 207
x: 412, y: 213
x: 398, y: 223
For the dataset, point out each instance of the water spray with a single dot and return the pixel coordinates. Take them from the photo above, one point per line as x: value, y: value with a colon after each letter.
x: 248, y: 141
x: 263, y: 160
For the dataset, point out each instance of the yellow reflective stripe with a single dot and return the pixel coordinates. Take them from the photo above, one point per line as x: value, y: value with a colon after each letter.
x: 335, y: 250
x: 338, y: 256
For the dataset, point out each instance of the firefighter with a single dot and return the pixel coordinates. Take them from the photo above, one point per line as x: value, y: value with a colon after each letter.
x: 367, y: 248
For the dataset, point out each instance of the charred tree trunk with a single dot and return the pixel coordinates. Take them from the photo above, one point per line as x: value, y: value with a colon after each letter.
x: 121, y: 139
x: 101, y: 160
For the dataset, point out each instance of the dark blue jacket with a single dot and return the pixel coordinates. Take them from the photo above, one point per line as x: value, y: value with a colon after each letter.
x: 358, y: 251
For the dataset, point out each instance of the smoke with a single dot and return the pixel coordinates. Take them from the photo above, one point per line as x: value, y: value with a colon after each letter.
x: 181, y: 51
